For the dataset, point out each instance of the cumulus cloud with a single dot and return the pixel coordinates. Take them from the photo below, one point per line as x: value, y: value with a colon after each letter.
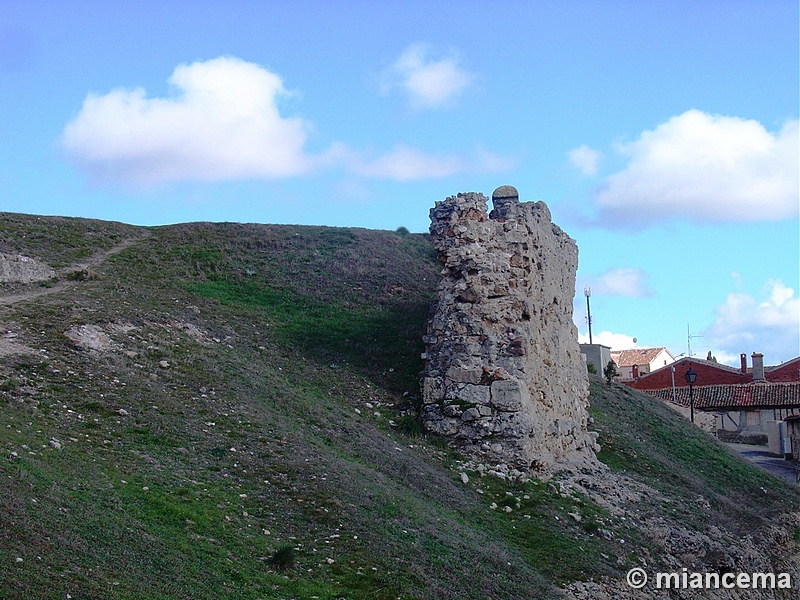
x: 585, y: 159
x: 621, y: 281
x: 428, y: 82
x: 706, y: 168
x: 222, y: 123
x: 615, y: 341
x: 770, y: 325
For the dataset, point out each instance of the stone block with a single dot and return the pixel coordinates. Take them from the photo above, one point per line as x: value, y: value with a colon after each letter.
x: 474, y: 394
x: 509, y: 395
x: 432, y: 390
x: 452, y: 410
x: 471, y: 414
x: 462, y: 375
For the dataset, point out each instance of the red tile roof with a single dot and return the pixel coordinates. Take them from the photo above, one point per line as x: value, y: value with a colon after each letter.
x: 639, y: 356
x: 725, y: 397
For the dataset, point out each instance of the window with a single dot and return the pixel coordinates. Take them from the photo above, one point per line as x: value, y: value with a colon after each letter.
x: 753, y: 418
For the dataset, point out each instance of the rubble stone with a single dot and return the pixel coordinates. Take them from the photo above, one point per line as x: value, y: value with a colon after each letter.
x: 15, y: 268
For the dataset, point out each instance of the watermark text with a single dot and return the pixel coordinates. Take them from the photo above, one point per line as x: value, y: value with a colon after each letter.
x: 684, y: 579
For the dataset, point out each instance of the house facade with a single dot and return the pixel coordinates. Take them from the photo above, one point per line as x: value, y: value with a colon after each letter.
x: 633, y: 364
x: 742, y: 410
x: 714, y: 373
x: 784, y: 372
x: 744, y: 399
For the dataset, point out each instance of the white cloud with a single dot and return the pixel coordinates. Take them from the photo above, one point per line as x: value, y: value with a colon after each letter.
x: 621, y: 281
x: 429, y: 83
x: 615, y: 341
x: 706, y: 168
x: 770, y: 326
x: 585, y: 159
x: 406, y: 164
x: 223, y: 123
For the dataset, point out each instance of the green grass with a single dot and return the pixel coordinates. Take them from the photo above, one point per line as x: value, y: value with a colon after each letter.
x: 365, y: 338
x: 59, y: 241
x: 284, y: 421
x: 642, y: 437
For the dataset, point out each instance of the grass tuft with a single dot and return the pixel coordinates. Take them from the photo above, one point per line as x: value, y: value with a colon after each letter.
x: 283, y: 559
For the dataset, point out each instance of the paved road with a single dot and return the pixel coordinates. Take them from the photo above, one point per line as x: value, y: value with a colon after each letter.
x: 761, y: 456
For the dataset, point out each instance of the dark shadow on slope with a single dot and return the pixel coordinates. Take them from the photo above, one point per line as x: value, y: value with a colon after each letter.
x: 383, y: 343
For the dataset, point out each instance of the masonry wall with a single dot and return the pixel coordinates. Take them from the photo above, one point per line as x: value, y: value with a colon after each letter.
x: 504, y: 379
x: 707, y: 374
x: 787, y: 372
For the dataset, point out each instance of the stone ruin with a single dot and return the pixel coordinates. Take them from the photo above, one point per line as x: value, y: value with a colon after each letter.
x: 504, y: 379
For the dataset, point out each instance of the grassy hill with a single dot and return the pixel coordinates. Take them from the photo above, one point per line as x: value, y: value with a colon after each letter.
x: 244, y: 429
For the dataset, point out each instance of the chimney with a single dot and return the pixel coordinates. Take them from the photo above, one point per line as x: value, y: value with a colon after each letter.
x: 758, y: 366
x: 743, y: 359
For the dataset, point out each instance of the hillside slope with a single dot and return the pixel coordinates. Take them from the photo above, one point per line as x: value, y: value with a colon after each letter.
x: 226, y: 410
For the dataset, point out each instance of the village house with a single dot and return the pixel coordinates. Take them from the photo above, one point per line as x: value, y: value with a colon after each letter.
x: 745, y: 400
x: 633, y: 364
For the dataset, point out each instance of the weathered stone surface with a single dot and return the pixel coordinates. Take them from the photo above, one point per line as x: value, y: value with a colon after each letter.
x: 89, y: 337
x: 509, y: 395
x: 503, y: 376
x: 15, y: 268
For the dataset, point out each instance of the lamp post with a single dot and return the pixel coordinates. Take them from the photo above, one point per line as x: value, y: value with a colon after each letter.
x: 690, y: 377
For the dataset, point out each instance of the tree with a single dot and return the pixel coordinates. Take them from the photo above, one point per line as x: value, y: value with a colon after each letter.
x: 610, y: 371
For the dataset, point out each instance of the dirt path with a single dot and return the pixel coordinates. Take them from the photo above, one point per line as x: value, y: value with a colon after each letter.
x: 92, y: 261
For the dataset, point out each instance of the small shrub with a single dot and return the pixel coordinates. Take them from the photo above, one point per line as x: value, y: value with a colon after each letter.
x: 283, y: 558
x: 591, y: 526
x: 409, y: 425
x: 82, y: 275
x: 590, y: 367
x: 402, y: 230
x: 610, y: 371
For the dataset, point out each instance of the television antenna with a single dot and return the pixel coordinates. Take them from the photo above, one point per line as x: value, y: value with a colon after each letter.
x: 689, y: 338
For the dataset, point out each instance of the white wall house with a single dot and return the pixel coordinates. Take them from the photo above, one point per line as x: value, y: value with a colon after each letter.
x: 632, y: 364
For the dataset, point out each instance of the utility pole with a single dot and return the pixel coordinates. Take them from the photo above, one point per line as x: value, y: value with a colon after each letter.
x: 587, y: 291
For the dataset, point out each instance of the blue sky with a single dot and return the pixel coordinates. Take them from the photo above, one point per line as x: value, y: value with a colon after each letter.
x: 663, y: 135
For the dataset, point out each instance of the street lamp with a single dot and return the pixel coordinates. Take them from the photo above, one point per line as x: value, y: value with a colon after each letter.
x: 690, y: 377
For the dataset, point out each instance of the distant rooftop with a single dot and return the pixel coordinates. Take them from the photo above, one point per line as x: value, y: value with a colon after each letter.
x: 638, y: 356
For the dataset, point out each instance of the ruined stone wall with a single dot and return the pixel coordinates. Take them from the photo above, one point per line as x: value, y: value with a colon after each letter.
x: 504, y: 379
